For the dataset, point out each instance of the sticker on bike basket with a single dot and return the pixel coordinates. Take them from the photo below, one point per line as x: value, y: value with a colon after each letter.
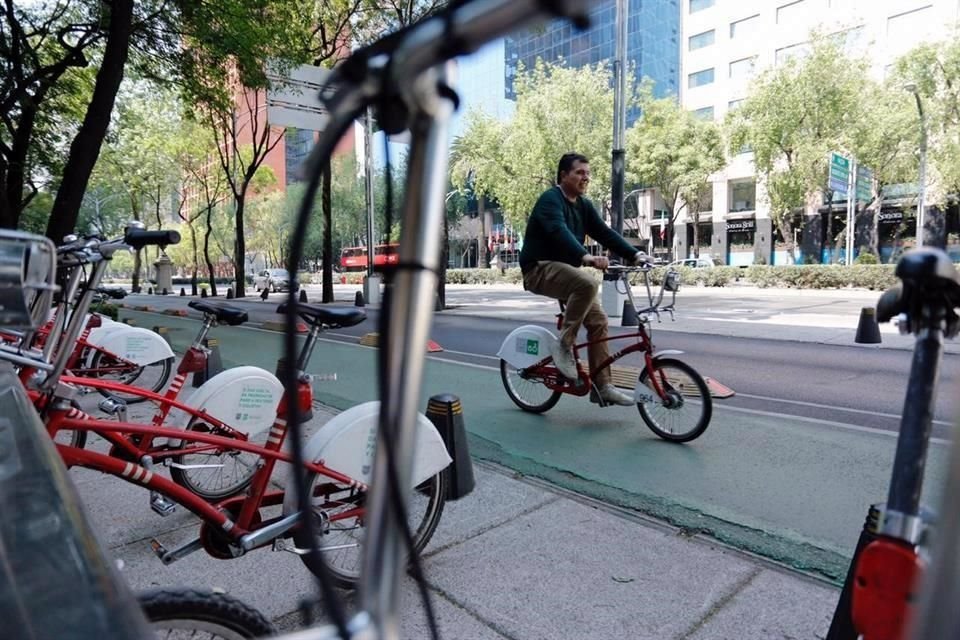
x: 135, y: 346
x: 528, y: 346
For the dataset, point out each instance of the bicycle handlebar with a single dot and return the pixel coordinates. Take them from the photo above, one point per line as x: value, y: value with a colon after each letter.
x: 138, y: 238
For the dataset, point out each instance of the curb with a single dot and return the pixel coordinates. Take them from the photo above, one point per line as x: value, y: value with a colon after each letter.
x: 280, y: 325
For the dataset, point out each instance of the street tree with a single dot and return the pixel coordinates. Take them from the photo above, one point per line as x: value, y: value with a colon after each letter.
x: 559, y: 109
x: 674, y: 151
x: 934, y: 71
x: 794, y: 116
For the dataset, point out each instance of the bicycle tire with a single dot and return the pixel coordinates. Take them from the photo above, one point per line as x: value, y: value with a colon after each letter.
x: 213, y: 484
x: 684, y: 383
x: 157, y: 386
x: 186, y: 613
x: 344, y: 568
x: 520, y: 389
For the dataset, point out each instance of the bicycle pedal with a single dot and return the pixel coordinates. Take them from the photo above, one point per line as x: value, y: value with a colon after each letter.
x: 162, y: 506
x: 281, y: 544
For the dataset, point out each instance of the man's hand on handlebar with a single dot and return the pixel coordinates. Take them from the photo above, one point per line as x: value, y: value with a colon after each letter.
x: 640, y: 258
x: 597, y: 262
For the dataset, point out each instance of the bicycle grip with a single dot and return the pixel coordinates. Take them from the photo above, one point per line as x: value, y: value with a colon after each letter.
x: 138, y: 238
x: 891, y: 303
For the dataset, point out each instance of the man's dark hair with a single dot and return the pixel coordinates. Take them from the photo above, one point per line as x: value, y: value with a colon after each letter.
x: 566, y: 162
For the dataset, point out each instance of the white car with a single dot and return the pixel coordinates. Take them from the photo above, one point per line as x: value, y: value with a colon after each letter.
x: 695, y: 263
x: 272, y: 280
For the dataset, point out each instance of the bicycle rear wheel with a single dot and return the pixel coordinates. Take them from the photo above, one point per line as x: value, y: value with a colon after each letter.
x: 340, y: 540
x: 151, y: 377
x: 684, y: 414
x: 530, y: 394
x: 194, y: 613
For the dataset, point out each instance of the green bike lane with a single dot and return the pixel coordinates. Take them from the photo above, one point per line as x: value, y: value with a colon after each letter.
x: 792, y: 490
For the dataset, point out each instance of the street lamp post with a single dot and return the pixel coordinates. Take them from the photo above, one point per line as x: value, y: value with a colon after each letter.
x: 921, y: 195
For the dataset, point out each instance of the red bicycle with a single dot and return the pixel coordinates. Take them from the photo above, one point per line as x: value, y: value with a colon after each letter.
x: 672, y: 398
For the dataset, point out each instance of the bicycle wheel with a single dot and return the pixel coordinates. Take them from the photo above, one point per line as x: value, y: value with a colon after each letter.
x: 195, y: 613
x: 151, y: 377
x: 340, y: 540
x: 215, y: 474
x: 526, y: 392
x: 686, y: 411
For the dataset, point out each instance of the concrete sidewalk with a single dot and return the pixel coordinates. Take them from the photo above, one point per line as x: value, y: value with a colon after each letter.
x: 517, y: 559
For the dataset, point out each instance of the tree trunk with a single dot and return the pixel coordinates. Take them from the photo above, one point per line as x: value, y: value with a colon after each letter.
x: 196, y: 261
x: 240, y: 249
x: 206, y: 253
x: 86, y: 145
x: 696, y: 234
x: 484, y: 257
x: 326, y: 204
x: 444, y: 258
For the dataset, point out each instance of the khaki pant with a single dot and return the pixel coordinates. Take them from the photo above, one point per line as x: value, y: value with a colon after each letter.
x: 578, y: 291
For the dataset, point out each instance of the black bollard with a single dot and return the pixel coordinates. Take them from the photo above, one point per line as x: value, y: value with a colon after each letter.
x: 150, y: 291
x: 229, y: 293
x: 183, y: 291
x: 446, y: 414
x: 358, y: 299
x: 303, y: 296
x: 868, y: 331
x: 264, y: 294
x: 203, y: 292
x: 628, y: 317
x: 164, y: 291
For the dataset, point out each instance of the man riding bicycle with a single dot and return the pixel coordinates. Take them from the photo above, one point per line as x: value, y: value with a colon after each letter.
x: 550, y: 259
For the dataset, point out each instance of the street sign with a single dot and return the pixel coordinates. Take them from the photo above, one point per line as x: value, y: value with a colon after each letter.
x: 864, y: 183
x: 293, y: 97
x: 839, y: 173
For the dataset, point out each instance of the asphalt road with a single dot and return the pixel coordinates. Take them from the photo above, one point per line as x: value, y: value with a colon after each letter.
x: 837, y: 383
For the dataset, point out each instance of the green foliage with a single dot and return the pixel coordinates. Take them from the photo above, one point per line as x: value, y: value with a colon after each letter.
x: 866, y: 258
x: 558, y: 110
x: 671, y: 149
x: 865, y: 276
x: 112, y: 311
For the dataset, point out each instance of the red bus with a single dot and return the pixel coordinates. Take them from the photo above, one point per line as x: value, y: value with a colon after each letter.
x: 355, y: 258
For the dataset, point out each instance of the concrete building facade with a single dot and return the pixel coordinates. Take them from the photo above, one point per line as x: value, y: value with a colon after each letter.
x: 725, y: 43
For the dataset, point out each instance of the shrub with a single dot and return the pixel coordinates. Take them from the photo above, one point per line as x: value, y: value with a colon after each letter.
x: 112, y: 311
x: 866, y: 258
x: 822, y: 276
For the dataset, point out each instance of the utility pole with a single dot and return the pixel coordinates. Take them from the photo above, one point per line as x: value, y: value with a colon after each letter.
x: 371, y: 282
x: 611, y: 299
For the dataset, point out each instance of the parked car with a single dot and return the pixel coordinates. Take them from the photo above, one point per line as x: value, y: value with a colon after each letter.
x: 273, y: 280
x: 695, y: 263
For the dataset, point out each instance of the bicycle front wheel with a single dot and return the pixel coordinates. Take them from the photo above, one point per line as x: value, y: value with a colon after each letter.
x: 684, y: 411
x: 202, y: 614
x: 339, y: 518
x: 215, y: 474
x: 529, y: 394
x: 151, y: 377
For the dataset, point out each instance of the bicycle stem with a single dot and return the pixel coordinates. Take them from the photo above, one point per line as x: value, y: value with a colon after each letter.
x: 901, y: 519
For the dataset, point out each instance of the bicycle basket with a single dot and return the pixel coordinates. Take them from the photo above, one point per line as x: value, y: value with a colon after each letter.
x: 27, y: 272
x: 671, y: 281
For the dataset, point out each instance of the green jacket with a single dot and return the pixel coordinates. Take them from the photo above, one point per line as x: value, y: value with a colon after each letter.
x: 557, y: 228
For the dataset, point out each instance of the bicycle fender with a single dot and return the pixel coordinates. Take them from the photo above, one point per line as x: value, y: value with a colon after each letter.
x: 642, y: 394
x: 526, y: 346
x: 347, y: 444
x: 666, y: 352
x: 136, y: 344
x: 246, y: 398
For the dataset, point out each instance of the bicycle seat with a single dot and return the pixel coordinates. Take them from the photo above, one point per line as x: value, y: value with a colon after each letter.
x: 223, y: 313
x: 332, y: 317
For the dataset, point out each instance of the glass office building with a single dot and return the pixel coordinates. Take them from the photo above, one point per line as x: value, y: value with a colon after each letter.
x: 652, y: 44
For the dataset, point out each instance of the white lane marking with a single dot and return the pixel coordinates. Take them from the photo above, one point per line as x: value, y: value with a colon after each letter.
x: 834, y: 408
x: 829, y: 423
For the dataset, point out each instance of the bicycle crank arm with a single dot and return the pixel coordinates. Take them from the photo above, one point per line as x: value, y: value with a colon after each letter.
x: 270, y: 532
x: 169, y: 557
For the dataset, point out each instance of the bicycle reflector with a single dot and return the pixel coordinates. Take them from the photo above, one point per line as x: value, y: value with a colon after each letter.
x: 884, y: 589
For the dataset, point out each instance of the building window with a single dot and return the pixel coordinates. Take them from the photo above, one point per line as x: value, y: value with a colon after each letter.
x: 800, y: 50
x: 701, y: 40
x: 733, y: 104
x: 742, y: 69
x: 700, y: 78
x: 745, y: 28
x: 743, y: 195
x: 700, y: 5
x: 706, y: 113
x: 793, y: 13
